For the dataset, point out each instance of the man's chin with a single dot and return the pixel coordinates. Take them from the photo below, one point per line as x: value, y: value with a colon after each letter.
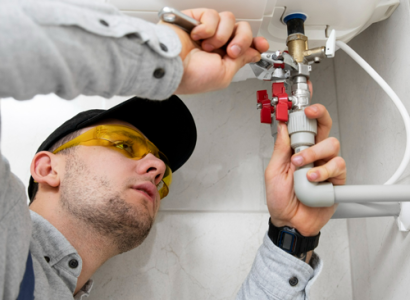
x: 131, y: 239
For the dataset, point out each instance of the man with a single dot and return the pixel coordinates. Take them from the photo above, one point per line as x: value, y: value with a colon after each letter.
x: 96, y: 177
x: 101, y: 189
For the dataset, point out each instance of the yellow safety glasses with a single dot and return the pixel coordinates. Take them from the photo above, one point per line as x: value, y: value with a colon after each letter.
x: 130, y: 142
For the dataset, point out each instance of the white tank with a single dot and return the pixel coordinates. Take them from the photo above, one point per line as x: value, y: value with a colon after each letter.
x: 347, y: 17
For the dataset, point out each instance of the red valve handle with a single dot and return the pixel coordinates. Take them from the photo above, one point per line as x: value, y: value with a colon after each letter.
x: 267, y: 109
x: 282, y: 108
x: 261, y: 96
x: 279, y: 91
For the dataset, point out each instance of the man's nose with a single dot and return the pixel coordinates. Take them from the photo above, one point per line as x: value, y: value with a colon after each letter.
x: 152, y: 166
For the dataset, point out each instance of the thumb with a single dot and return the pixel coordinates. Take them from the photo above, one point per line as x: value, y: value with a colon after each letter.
x: 252, y: 56
x: 232, y: 65
x: 282, y: 151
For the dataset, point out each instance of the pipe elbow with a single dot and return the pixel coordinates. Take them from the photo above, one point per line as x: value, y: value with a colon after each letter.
x: 311, y: 193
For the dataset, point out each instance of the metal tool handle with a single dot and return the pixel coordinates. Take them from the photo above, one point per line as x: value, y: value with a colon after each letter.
x: 174, y: 16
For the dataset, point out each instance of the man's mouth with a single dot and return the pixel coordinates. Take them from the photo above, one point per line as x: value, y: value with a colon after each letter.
x: 148, y: 189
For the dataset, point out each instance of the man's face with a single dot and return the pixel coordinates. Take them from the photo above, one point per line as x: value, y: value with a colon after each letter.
x: 112, y: 193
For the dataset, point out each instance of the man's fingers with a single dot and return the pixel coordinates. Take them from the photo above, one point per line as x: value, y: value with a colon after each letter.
x: 217, y: 29
x: 251, y: 55
x: 260, y: 44
x: 231, y: 65
x: 227, y: 48
x: 234, y: 64
x: 222, y: 34
x: 209, y: 19
x: 324, y: 121
x: 328, y: 148
x: 241, y: 41
x: 320, y: 162
x: 282, y: 151
x: 334, y: 171
x: 310, y: 88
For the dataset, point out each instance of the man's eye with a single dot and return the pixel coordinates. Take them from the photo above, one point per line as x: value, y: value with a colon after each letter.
x: 124, y: 146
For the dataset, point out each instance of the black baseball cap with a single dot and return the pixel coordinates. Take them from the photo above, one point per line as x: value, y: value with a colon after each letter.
x: 167, y: 123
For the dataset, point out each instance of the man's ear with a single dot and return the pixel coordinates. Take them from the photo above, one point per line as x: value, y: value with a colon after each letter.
x: 45, y: 168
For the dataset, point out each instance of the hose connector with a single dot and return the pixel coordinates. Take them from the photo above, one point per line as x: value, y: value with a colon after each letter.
x: 302, y: 130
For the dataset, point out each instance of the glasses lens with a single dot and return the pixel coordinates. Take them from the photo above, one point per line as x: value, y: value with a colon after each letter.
x: 136, y: 146
x: 163, y: 187
x: 127, y: 141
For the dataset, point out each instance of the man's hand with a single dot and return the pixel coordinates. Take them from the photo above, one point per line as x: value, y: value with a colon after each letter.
x: 284, y: 207
x: 215, y: 50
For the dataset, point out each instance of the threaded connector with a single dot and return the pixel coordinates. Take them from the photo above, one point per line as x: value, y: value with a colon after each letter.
x: 302, y: 130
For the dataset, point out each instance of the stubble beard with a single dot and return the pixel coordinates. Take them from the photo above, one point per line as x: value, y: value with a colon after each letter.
x: 91, y: 199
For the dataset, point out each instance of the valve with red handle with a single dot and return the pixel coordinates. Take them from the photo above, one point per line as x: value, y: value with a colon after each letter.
x: 267, y: 109
x: 279, y: 98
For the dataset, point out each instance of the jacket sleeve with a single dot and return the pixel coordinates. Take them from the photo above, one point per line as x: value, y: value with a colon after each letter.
x: 80, y: 47
x: 276, y: 275
x: 71, y: 48
x: 15, y: 230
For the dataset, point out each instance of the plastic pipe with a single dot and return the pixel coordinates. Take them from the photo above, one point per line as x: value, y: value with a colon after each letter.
x: 358, y: 210
x: 404, y: 218
x: 325, y: 194
x: 371, y: 193
x: 403, y: 221
x: 312, y: 194
x: 394, y: 98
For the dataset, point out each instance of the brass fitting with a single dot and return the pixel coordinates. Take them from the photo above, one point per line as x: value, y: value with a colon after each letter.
x: 315, y: 54
x: 297, y: 45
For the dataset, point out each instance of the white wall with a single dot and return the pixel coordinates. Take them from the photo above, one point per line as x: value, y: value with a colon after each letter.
x: 209, y: 228
x: 373, y: 141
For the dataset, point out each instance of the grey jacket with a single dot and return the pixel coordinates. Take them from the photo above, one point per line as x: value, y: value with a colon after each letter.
x: 75, y: 47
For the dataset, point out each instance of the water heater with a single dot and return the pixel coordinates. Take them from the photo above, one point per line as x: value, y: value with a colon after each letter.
x: 347, y: 17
